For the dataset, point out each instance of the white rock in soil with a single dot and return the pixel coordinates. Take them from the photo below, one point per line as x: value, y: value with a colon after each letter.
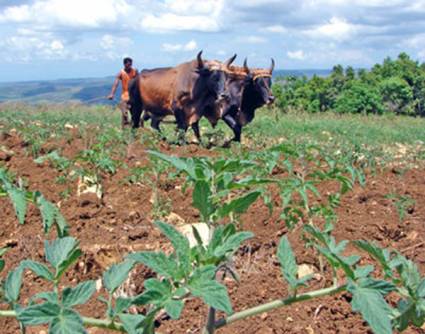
x: 174, y: 219
x: 89, y: 185
x: 305, y: 270
x: 203, y: 231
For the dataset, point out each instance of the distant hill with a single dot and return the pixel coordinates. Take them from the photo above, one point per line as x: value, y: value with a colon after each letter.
x: 89, y: 90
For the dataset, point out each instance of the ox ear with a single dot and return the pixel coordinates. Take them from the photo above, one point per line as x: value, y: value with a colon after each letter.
x: 200, y: 61
x: 245, y: 66
x: 272, y: 66
x: 230, y: 61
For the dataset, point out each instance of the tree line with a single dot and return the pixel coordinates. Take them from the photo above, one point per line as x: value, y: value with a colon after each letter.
x: 395, y: 86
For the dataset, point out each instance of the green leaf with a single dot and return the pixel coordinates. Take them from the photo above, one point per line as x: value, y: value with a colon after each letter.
x: 232, y: 244
x: 116, y: 275
x: 202, y: 199
x: 148, y: 297
x: 180, y: 244
x: 405, y: 313
x: 67, y: 322
x: 240, y: 204
x: 13, y: 285
x: 174, y: 308
x: 2, y: 264
x: 217, y: 237
x: 421, y: 289
x: 362, y: 272
x: 62, y: 253
x: 178, y: 163
x: 50, y: 296
x: 383, y: 287
x: 162, y: 287
x: 79, y: 294
x: 288, y: 263
x: 382, y: 256
x: 131, y: 322
x: 122, y: 304
x: 204, y: 286
x: 38, y: 268
x: 51, y: 215
x: 39, y: 314
x: 3, y: 251
x: 409, y: 274
x: 19, y: 201
x: 159, y: 262
x: 372, y: 307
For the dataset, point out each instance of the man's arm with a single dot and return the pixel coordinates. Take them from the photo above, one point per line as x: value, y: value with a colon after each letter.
x: 114, y: 86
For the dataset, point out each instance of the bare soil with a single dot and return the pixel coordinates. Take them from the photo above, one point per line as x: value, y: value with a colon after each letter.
x: 121, y: 222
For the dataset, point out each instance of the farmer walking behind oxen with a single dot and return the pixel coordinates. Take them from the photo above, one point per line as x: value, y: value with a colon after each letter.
x: 125, y: 75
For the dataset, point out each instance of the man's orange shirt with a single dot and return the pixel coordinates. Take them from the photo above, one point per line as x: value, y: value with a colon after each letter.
x: 125, y: 79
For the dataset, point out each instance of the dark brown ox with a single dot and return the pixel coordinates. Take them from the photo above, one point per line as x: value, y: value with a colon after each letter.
x: 247, y: 90
x: 184, y: 91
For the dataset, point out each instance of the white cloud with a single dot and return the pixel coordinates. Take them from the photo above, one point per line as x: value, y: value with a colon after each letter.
x: 26, y: 48
x: 110, y: 42
x: 185, y: 15
x: 16, y: 14
x: 276, y: 29
x: 174, y: 22
x: 252, y: 39
x: 338, y: 29
x: 189, y: 46
x: 297, y: 55
x: 76, y: 13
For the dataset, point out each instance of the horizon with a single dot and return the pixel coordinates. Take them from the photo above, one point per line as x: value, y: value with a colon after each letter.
x: 54, y: 39
x: 113, y: 76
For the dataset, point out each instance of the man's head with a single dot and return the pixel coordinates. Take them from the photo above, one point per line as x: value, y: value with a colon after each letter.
x: 128, y: 62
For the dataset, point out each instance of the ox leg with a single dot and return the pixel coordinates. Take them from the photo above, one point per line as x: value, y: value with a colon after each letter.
x: 181, y: 124
x: 135, y: 118
x: 155, y: 124
x: 195, y: 128
x: 237, y: 129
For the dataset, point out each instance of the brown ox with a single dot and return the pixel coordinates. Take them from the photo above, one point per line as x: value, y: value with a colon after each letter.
x: 184, y: 91
x: 247, y: 90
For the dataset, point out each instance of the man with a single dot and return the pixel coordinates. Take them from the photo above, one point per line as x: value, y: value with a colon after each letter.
x: 125, y: 75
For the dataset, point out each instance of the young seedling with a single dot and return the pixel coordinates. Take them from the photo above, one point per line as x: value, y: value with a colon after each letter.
x: 402, y: 203
x: 19, y: 197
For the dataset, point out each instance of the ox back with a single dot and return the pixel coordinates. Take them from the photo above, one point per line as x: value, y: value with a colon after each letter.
x: 183, y: 91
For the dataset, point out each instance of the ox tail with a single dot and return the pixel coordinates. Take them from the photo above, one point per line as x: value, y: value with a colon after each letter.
x: 136, y: 103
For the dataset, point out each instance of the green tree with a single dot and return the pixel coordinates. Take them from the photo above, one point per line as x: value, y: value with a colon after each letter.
x: 359, y: 98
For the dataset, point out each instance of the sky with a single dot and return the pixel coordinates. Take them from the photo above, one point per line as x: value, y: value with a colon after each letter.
x: 49, y: 39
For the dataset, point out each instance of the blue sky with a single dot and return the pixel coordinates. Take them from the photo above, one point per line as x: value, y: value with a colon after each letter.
x: 47, y: 39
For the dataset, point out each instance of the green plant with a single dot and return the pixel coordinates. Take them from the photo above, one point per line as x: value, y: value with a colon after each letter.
x: 308, y: 166
x: 403, y: 204
x: 218, y: 185
x: 57, y: 161
x: 19, y: 197
x: 151, y: 176
x: 191, y: 273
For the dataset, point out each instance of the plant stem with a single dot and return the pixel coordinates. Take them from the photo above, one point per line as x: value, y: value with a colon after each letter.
x: 91, y: 322
x: 210, y: 326
x: 277, y: 304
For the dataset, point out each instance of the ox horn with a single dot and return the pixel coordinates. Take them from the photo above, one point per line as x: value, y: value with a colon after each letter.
x: 272, y: 66
x: 245, y: 66
x: 230, y: 61
x: 200, y: 61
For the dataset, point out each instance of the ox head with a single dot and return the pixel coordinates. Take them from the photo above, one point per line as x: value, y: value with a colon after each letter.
x: 213, y: 75
x: 261, y: 82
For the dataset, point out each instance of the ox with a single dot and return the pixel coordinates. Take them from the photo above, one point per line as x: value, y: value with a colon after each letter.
x: 247, y: 90
x: 184, y: 91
